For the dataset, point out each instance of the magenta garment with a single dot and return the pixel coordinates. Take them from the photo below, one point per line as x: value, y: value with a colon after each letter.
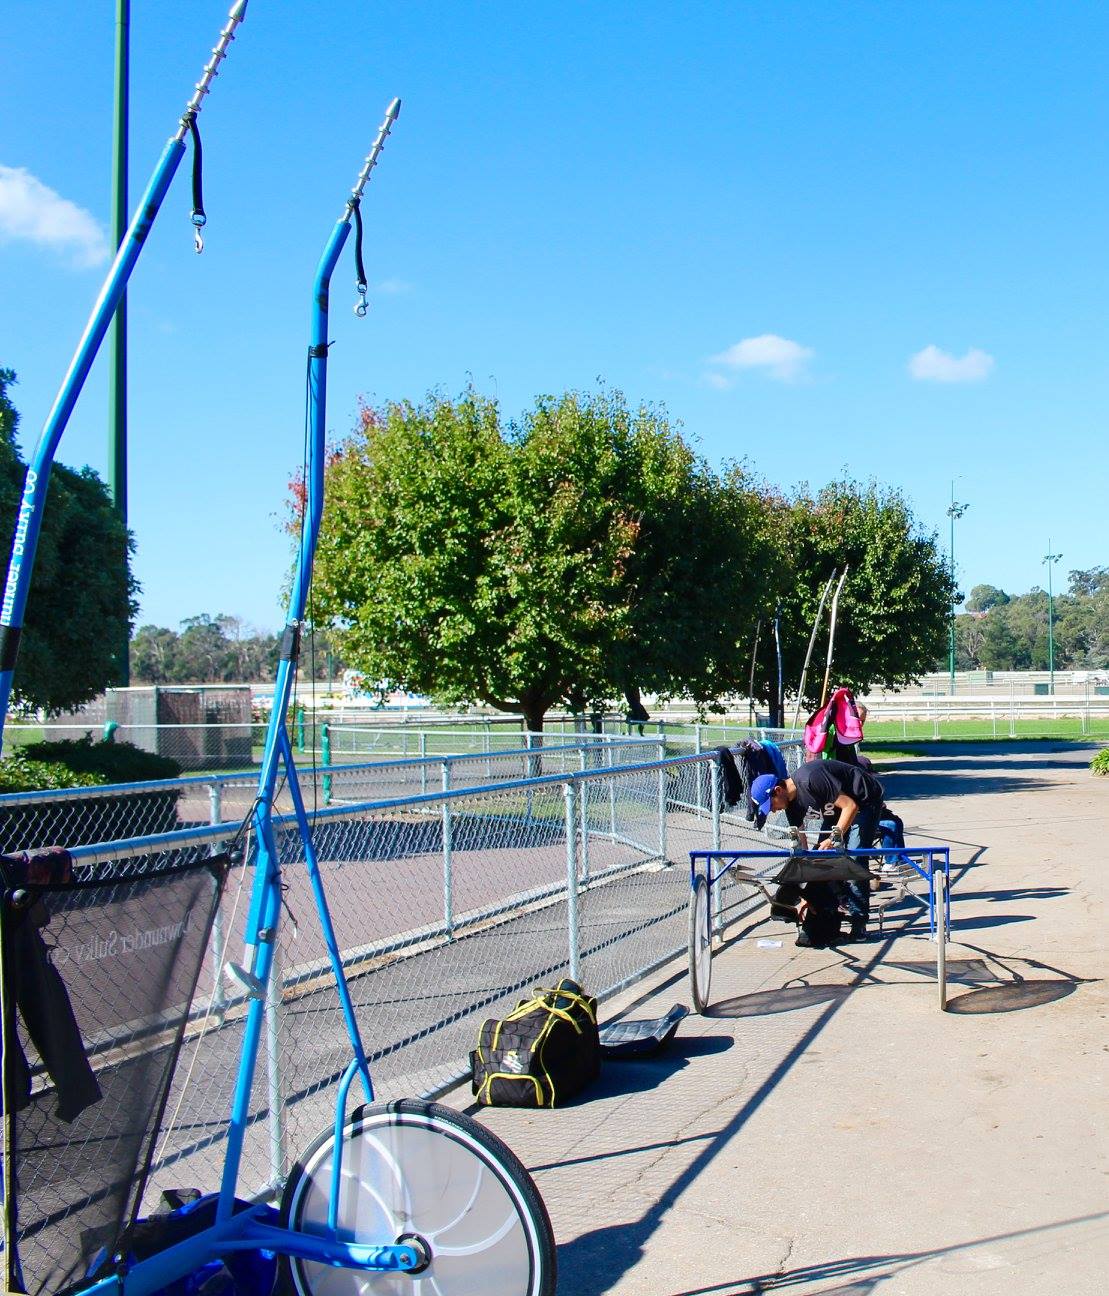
x: 840, y: 710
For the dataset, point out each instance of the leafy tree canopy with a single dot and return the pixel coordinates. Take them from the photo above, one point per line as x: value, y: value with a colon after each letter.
x: 82, y: 596
x: 893, y: 609
x: 219, y: 649
x: 579, y: 553
x: 1014, y: 635
x: 984, y: 597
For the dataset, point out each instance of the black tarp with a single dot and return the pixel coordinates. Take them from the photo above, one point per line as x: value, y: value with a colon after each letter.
x: 115, y: 959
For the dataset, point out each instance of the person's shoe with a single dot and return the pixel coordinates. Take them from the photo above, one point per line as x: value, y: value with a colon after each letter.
x: 858, y: 931
x: 806, y: 941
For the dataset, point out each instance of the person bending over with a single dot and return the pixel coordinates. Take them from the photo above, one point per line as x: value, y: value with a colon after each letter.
x: 847, y: 798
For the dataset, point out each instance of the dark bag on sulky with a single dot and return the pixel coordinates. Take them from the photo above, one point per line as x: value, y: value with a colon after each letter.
x: 545, y: 1051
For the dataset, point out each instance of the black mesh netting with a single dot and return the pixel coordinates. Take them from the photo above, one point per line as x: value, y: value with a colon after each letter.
x: 98, y: 977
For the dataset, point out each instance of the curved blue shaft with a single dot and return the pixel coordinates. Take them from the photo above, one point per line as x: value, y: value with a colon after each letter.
x: 266, y: 893
x: 28, y: 521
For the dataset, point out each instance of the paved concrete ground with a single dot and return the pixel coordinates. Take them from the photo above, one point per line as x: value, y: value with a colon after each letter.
x: 826, y: 1129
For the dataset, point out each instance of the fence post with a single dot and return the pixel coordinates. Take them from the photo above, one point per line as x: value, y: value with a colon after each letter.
x: 583, y: 811
x: 1012, y: 710
x: 993, y: 715
x: 423, y: 757
x: 219, y: 997
x: 662, y: 813
x: 448, y: 862
x: 713, y: 767
x: 300, y: 728
x: 325, y: 757
x: 1086, y: 709
x: 274, y: 1069
x: 700, y: 768
x: 573, y: 937
x: 611, y: 752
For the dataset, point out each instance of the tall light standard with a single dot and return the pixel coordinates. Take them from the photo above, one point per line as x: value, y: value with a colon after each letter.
x: 955, y: 511
x: 1051, y: 559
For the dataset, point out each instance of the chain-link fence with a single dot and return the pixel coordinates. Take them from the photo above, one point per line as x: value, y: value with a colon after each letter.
x: 77, y: 816
x: 448, y: 907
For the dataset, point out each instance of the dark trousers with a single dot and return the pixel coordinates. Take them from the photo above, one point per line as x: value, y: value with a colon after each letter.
x: 855, y: 896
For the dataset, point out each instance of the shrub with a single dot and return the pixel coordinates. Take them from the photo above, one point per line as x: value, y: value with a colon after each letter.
x: 1100, y: 763
x: 111, y: 762
x: 19, y: 773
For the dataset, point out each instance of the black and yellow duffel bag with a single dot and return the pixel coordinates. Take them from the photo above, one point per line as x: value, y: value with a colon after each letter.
x: 545, y: 1051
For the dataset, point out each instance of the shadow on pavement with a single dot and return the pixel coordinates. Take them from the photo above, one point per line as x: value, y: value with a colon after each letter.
x: 595, y: 1261
x: 947, y: 782
x: 636, y: 1075
x: 788, y: 999
x: 1012, y: 997
x: 1015, y: 893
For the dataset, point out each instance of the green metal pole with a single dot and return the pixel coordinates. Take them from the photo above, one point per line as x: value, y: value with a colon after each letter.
x: 955, y: 511
x: 117, y: 436
x: 325, y: 743
x: 1051, y: 559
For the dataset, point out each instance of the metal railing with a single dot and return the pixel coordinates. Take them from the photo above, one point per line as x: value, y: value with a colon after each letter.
x: 1082, y: 714
x: 448, y: 907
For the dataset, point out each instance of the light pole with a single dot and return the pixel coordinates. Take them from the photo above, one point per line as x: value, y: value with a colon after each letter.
x: 955, y: 511
x: 1051, y: 559
x: 117, y: 391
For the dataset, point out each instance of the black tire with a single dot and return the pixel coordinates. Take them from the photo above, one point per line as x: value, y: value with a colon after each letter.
x: 451, y: 1172
x: 700, y: 944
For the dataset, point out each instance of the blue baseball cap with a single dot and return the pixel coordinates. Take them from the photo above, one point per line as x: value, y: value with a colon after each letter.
x: 761, y: 789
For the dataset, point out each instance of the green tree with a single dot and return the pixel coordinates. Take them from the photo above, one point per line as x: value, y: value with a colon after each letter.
x: 893, y: 610
x: 209, y: 649
x: 583, y: 552
x: 984, y: 597
x: 1002, y: 649
x: 153, y: 655
x: 82, y: 596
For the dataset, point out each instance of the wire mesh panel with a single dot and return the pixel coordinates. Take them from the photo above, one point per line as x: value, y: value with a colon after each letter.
x: 29, y: 820
x: 98, y: 976
x: 448, y: 907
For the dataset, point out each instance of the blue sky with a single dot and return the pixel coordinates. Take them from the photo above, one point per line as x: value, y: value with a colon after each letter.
x: 827, y: 236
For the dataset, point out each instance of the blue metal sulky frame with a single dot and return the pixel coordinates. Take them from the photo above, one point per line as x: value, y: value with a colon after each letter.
x: 258, y: 1226
x: 926, y: 867
x: 932, y: 863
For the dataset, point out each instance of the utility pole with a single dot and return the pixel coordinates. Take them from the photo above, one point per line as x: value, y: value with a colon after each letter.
x: 1051, y: 559
x: 955, y: 511
x: 117, y: 396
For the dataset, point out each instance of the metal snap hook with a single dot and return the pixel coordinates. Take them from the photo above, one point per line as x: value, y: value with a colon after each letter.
x: 199, y: 221
x: 363, y: 306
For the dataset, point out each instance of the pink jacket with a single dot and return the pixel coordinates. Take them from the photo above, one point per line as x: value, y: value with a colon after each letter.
x: 840, y: 710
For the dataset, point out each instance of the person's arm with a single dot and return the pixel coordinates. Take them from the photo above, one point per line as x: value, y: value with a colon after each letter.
x: 848, y: 809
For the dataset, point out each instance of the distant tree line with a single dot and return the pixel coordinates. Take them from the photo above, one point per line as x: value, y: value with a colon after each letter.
x: 585, y: 554
x: 82, y: 594
x: 221, y: 650
x: 999, y: 631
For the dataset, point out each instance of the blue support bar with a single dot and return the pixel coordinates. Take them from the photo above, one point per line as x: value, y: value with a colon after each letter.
x: 28, y: 521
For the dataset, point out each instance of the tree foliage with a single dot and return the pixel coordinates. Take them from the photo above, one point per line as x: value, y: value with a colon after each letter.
x: 892, y: 613
x: 577, y: 554
x: 984, y: 597
x: 220, y: 650
x: 82, y: 596
x: 1013, y: 634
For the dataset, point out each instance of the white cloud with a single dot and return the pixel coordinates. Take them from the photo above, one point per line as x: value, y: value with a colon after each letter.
x: 32, y: 211
x: 782, y: 359
x: 718, y: 380
x: 934, y: 365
